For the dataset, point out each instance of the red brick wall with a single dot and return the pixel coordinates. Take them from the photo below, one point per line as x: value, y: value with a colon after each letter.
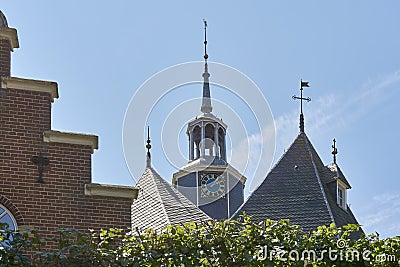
x: 5, y: 56
x: 59, y: 201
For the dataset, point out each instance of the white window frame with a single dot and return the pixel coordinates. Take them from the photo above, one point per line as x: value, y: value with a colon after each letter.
x: 7, y: 211
x: 342, y: 202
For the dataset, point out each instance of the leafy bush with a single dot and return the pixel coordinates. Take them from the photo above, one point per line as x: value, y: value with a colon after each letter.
x: 240, y: 242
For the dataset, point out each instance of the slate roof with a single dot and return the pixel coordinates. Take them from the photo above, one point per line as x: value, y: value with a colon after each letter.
x: 297, y: 188
x: 159, y: 204
x: 333, y: 172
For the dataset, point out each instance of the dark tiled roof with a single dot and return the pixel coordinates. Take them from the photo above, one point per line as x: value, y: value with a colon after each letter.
x: 159, y: 204
x: 297, y: 189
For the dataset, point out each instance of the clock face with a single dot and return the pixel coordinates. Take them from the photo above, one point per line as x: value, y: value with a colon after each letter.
x: 212, y: 185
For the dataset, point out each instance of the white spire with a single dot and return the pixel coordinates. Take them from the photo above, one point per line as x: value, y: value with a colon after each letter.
x: 206, y: 102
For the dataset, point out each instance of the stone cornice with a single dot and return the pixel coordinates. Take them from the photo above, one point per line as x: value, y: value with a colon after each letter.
x: 209, y: 168
x: 11, y: 35
x: 107, y: 190
x: 72, y: 138
x: 207, y: 118
x: 31, y: 85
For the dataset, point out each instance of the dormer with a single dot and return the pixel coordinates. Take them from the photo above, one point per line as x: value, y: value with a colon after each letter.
x: 341, y: 195
x: 338, y: 185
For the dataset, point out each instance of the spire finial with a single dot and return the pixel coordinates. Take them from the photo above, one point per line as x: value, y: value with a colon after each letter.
x: 148, y: 146
x: 335, y: 151
x: 206, y: 102
x: 301, y: 98
x: 205, y: 40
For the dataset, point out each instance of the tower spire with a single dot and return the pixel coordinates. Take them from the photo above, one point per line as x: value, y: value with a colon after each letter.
x: 301, y: 98
x: 148, y: 147
x: 205, y: 40
x: 335, y: 151
x: 206, y: 101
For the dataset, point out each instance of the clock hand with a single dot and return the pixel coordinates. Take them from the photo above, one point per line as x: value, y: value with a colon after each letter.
x: 216, y: 182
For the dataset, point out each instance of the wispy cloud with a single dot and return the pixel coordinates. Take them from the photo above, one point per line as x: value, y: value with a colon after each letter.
x: 328, y: 113
x: 248, y: 159
x: 384, y: 199
x: 384, y: 214
x: 332, y: 111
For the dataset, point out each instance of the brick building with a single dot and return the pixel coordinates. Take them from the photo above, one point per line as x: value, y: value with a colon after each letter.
x: 45, y: 175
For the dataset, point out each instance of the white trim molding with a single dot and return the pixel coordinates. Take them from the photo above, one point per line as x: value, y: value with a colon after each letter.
x: 107, y: 190
x: 30, y: 85
x: 72, y: 138
x: 198, y: 166
x: 11, y: 35
x: 341, y: 187
x: 9, y: 213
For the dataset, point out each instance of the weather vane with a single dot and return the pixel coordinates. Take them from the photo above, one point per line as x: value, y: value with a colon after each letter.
x: 301, y: 98
x: 335, y: 151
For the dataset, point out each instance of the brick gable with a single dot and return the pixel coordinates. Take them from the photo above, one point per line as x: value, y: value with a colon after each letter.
x: 61, y: 199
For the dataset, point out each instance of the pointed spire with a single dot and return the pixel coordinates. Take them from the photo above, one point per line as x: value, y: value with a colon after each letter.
x: 335, y: 151
x: 205, y: 40
x: 301, y: 98
x: 148, y: 147
x: 301, y: 125
x: 206, y: 101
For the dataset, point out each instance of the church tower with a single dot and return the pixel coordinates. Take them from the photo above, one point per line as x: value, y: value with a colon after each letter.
x: 208, y: 180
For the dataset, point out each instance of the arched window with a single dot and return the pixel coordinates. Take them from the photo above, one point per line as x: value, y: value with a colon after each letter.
x: 7, y: 217
x: 209, y: 140
x: 196, y: 140
x: 221, y: 143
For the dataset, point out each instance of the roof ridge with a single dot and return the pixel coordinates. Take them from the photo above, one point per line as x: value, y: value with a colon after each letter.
x: 185, y: 199
x: 161, y: 181
x: 276, y: 164
x: 309, y: 146
x: 154, y: 174
x: 162, y: 185
x: 336, y: 168
x: 339, y: 174
x: 265, y: 178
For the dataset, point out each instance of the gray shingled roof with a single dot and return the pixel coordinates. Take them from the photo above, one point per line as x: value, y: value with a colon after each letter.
x: 159, y: 204
x: 332, y: 173
x: 297, y: 189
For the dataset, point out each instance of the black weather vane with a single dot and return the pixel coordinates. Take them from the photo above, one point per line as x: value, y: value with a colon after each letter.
x: 301, y: 98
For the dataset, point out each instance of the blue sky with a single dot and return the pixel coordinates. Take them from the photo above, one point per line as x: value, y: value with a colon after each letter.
x: 100, y: 52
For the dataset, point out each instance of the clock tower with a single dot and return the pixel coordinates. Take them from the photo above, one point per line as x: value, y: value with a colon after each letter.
x: 208, y: 180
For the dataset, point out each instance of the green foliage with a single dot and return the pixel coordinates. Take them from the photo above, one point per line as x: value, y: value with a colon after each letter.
x: 240, y: 242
